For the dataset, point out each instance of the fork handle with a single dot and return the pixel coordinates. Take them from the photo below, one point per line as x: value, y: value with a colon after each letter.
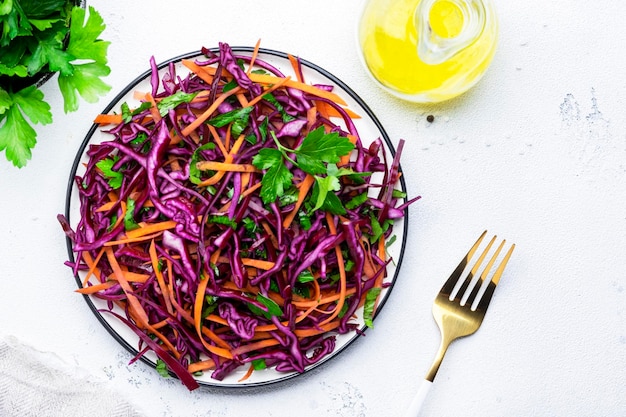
x: 418, y: 400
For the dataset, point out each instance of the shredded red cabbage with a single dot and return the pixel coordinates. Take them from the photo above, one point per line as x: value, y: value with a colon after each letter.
x: 220, y: 282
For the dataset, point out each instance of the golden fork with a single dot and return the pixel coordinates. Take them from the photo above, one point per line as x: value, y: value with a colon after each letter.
x: 458, y: 313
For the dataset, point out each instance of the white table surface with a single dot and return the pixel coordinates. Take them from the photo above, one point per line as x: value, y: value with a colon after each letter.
x: 535, y: 153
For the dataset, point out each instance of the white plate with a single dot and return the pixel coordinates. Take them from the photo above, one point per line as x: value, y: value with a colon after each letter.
x: 369, y: 129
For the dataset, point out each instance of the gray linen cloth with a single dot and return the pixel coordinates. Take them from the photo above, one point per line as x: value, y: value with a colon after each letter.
x: 35, y: 383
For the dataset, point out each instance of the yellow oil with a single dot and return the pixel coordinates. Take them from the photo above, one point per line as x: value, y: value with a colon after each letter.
x: 388, y: 40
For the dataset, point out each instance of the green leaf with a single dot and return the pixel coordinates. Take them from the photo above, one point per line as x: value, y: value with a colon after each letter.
x: 114, y: 178
x: 222, y: 219
x: 49, y: 51
x: 171, y: 102
x: 161, y: 368
x: 238, y: 117
x: 129, y: 216
x: 5, y: 101
x: 85, y: 46
x: 305, y: 276
x: 324, y: 196
x: 195, y: 175
x: 86, y: 82
x: 273, y: 309
x: 18, y: 71
x: 17, y: 137
x: 42, y: 8
x: 324, y: 185
x: 277, y: 178
x: 377, y: 229
x: 356, y: 201
x: 319, y: 147
x: 259, y: 364
x: 368, y: 306
x: 84, y: 36
x: 31, y: 101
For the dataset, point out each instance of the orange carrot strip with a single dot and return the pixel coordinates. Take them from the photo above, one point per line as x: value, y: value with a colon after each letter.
x: 208, y: 112
x: 269, y: 90
x: 307, y: 88
x: 342, y: 273
x: 223, y: 166
x: 108, y: 119
x: 344, y: 160
x: 296, y: 67
x: 255, y: 346
x: 131, y: 240
x: 128, y: 290
x: 247, y: 374
x: 159, y: 276
x: 305, y: 186
x: 254, y: 55
x: 90, y: 289
x: 331, y: 111
x: 147, y: 229
x: 198, y: 70
x: 219, y: 142
x: 315, y: 331
x: 201, y: 366
x: 154, y: 111
x: 93, y: 265
x: 256, y: 263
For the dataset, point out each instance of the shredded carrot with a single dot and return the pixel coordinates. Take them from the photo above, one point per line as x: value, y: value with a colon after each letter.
x: 342, y: 273
x: 201, y: 366
x: 108, y: 119
x: 91, y: 289
x: 272, y: 79
x: 134, y: 303
x: 208, y: 112
x: 255, y: 54
x: 147, y: 229
x: 157, y: 271
x: 247, y: 374
x: 198, y: 70
x: 276, y: 86
x: 223, y: 166
x: 295, y: 64
x: 303, y: 191
x: 154, y: 111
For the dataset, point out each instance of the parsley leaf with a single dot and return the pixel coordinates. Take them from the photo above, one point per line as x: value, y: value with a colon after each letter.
x: 238, y: 117
x: 318, y: 147
x: 129, y: 216
x: 272, y: 309
x: 114, y: 178
x: 170, y: 102
x: 85, y: 46
x: 161, y: 368
x: 195, y: 175
x: 277, y: 178
x: 17, y: 137
x: 368, y: 307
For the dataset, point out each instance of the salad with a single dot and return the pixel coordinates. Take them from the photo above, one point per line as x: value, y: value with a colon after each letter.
x: 234, y: 217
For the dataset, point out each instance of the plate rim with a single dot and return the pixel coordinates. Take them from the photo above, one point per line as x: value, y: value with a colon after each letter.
x: 236, y: 49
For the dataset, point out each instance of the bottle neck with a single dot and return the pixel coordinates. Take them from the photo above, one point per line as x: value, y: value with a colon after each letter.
x: 446, y: 27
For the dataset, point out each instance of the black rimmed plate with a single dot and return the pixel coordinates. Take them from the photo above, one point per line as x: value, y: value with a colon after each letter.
x: 369, y: 129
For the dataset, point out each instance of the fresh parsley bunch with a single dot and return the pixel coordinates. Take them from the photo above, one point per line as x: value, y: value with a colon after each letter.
x: 39, y: 38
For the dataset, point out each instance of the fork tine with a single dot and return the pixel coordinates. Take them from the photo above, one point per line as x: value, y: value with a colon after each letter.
x: 470, y: 276
x: 486, y: 298
x: 449, y: 285
x: 485, y: 272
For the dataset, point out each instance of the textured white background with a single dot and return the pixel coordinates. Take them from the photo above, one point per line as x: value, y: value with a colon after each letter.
x: 536, y: 153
